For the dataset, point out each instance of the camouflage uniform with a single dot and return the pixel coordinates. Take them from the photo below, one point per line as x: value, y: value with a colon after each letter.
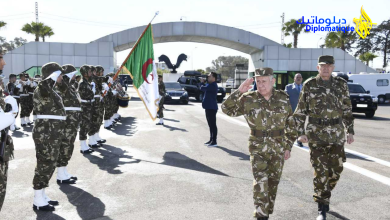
x: 47, y: 133
x: 109, y: 100
x: 14, y: 92
x: 72, y: 106
x: 24, y: 101
x: 30, y: 90
x: 98, y: 108
x: 87, y: 100
x: 328, y: 106
x: 161, y: 92
x: 272, y: 133
x: 8, y: 154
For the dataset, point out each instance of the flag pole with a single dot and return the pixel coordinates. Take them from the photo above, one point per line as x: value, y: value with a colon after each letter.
x: 132, y: 49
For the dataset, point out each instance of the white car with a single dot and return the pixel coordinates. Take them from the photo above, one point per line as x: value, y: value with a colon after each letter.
x: 229, y: 83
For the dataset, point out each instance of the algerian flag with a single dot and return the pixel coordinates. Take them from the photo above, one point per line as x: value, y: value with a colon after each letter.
x: 140, y: 65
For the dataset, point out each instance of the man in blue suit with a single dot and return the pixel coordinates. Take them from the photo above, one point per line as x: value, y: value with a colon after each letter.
x: 209, y: 103
x: 293, y: 90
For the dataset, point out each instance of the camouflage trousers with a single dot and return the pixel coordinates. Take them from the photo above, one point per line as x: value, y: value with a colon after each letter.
x: 47, y: 136
x: 97, y: 116
x: 69, y: 137
x: 24, y: 106
x: 86, y: 120
x: 30, y: 104
x: 327, y: 161
x: 160, y: 113
x: 267, y: 170
x: 108, y: 107
x: 3, y: 181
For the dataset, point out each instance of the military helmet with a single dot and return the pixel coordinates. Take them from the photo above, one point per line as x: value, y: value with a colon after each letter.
x: 50, y: 68
x: 93, y: 68
x: 84, y: 70
x: 12, y: 75
x: 99, y: 69
x: 68, y: 68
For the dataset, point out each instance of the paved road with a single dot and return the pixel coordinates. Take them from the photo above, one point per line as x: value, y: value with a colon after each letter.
x: 165, y: 172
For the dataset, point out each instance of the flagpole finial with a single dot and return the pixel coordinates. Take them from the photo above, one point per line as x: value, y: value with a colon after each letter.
x: 157, y: 12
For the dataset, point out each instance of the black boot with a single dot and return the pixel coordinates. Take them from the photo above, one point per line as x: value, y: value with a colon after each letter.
x: 208, y: 142
x: 47, y: 208
x: 322, y: 209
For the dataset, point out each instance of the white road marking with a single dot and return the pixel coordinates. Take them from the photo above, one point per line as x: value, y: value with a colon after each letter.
x: 365, y: 172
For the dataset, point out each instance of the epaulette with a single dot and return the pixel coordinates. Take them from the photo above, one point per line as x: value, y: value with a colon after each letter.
x: 309, y: 80
x: 340, y: 78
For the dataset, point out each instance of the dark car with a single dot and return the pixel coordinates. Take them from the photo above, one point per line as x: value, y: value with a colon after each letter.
x: 125, y: 78
x: 362, y: 102
x: 192, y: 85
x: 175, y: 93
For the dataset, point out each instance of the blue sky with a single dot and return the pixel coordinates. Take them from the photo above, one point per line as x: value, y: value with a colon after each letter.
x: 83, y: 21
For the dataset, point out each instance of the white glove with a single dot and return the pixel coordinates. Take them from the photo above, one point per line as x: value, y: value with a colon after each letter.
x: 19, y: 86
x: 105, y: 87
x: 110, y: 80
x: 114, y: 92
x: 93, y: 87
x: 6, y: 119
x: 28, y: 82
x: 12, y: 101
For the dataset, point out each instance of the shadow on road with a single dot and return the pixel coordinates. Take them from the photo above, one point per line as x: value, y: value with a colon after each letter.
x: 28, y: 128
x: 338, y: 216
x: 173, y: 120
x: 240, y: 155
x: 171, y: 128
x: 111, y: 158
x: 19, y: 134
x: 87, y: 205
x: 41, y: 215
x: 125, y: 127
x: 351, y: 156
x: 176, y: 159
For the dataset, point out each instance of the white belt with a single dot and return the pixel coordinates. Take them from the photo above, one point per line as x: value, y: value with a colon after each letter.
x: 72, y: 108
x: 57, y: 117
x: 16, y: 96
x: 24, y: 95
x: 87, y: 101
x: 97, y: 96
x: 31, y: 93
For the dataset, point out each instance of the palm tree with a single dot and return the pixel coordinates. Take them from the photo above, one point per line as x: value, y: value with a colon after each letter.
x: 46, y: 31
x: 2, y: 24
x: 34, y: 28
x: 340, y: 39
x: 292, y: 27
x: 367, y: 57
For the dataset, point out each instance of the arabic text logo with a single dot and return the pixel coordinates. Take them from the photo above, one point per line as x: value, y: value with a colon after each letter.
x: 363, y: 24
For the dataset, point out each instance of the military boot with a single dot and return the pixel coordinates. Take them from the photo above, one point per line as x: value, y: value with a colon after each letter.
x: 322, y: 209
x: 40, y: 202
x: 48, y: 200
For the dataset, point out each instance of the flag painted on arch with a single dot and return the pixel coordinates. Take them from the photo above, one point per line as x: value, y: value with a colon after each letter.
x: 140, y: 65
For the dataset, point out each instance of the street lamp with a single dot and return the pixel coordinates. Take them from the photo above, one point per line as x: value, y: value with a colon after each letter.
x: 318, y: 42
x: 192, y: 58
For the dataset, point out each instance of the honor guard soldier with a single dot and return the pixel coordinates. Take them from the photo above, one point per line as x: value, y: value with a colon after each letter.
x: 86, y: 94
x: 47, y: 134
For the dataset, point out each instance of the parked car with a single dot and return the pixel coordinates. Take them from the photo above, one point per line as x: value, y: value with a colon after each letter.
x: 362, y: 102
x: 377, y: 83
x: 192, y: 85
x: 175, y: 93
x: 129, y: 81
x: 229, y: 83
